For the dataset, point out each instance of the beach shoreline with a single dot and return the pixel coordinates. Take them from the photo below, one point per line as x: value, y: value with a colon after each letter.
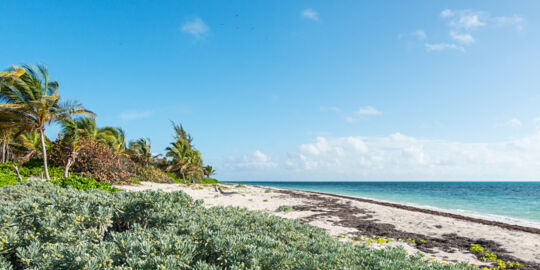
x: 438, y: 212
x: 438, y: 235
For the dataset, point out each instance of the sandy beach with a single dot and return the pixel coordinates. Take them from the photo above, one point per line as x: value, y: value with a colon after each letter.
x: 439, y: 236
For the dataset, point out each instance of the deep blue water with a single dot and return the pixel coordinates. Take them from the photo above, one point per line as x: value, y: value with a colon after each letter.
x: 514, y: 202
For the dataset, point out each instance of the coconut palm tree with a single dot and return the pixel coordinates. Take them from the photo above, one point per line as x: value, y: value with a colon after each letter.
x: 208, y: 171
x: 114, y: 137
x: 35, y: 100
x: 142, y: 149
x: 28, y: 145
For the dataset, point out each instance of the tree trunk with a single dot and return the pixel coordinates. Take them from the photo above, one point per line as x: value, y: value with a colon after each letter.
x: 4, y: 150
x: 44, y: 151
x: 18, y: 174
x: 70, y: 161
x: 26, y: 157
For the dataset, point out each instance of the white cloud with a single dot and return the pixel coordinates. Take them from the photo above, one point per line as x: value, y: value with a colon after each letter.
x: 134, y: 114
x: 257, y: 160
x: 420, y: 34
x: 367, y: 111
x: 462, y: 23
x: 361, y: 113
x: 467, y: 20
x: 517, y: 21
x: 443, y: 46
x: 514, y: 122
x: 310, y: 14
x: 195, y: 27
x: 465, y: 38
x: 447, y: 13
x: 394, y: 157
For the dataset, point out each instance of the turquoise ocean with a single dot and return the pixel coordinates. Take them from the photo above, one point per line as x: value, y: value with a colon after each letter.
x: 510, y: 202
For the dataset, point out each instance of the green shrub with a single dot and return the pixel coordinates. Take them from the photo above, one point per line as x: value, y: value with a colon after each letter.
x: 83, y: 183
x: 208, y: 181
x: 152, y: 174
x: 8, y: 176
x: 43, y: 226
x: 284, y: 208
x: 175, y: 178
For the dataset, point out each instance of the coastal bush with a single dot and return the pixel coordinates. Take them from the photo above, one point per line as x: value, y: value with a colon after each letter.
x: 97, y: 160
x: 8, y: 176
x: 152, y: 174
x: 43, y: 226
x: 284, y: 208
x: 208, y: 181
x: 83, y: 183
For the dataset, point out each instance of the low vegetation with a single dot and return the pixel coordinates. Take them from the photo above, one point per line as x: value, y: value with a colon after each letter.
x: 43, y: 226
x: 284, y: 208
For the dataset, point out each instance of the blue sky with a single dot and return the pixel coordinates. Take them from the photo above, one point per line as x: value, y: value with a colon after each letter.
x: 303, y: 90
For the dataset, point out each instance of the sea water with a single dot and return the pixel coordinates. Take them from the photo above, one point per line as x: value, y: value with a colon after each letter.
x: 510, y: 202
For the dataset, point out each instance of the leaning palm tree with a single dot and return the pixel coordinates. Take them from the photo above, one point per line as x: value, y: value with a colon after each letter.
x: 208, y: 171
x: 114, y: 137
x: 28, y: 145
x: 36, y: 100
x: 142, y: 149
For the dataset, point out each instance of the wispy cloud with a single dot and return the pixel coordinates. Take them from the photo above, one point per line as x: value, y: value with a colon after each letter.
x: 464, y: 19
x: 310, y: 14
x: 134, y: 114
x: 367, y: 111
x: 514, y: 122
x: 195, y: 27
x: 465, y: 38
x: 462, y: 23
x: 443, y: 46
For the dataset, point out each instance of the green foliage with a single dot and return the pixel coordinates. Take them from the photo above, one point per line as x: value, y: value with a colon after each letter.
x: 175, y: 178
x: 489, y: 257
x: 475, y: 248
x: 240, y: 186
x: 152, y: 174
x: 284, y: 208
x: 267, y: 191
x: 9, y: 177
x: 43, y: 226
x: 83, y: 183
x: 34, y: 167
x: 208, y: 181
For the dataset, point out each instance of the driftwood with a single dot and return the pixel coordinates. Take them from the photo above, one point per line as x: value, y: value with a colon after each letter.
x: 18, y: 174
x: 226, y: 193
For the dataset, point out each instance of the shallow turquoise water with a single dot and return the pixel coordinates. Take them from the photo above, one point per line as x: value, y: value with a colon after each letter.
x: 515, y: 202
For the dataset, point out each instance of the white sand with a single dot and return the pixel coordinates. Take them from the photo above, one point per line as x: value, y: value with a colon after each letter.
x: 522, y: 245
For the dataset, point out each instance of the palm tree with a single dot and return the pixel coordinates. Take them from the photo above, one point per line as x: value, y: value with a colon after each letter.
x: 208, y: 171
x: 114, y: 137
x: 142, y: 149
x: 35, y: 100
x: 29, y: 145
